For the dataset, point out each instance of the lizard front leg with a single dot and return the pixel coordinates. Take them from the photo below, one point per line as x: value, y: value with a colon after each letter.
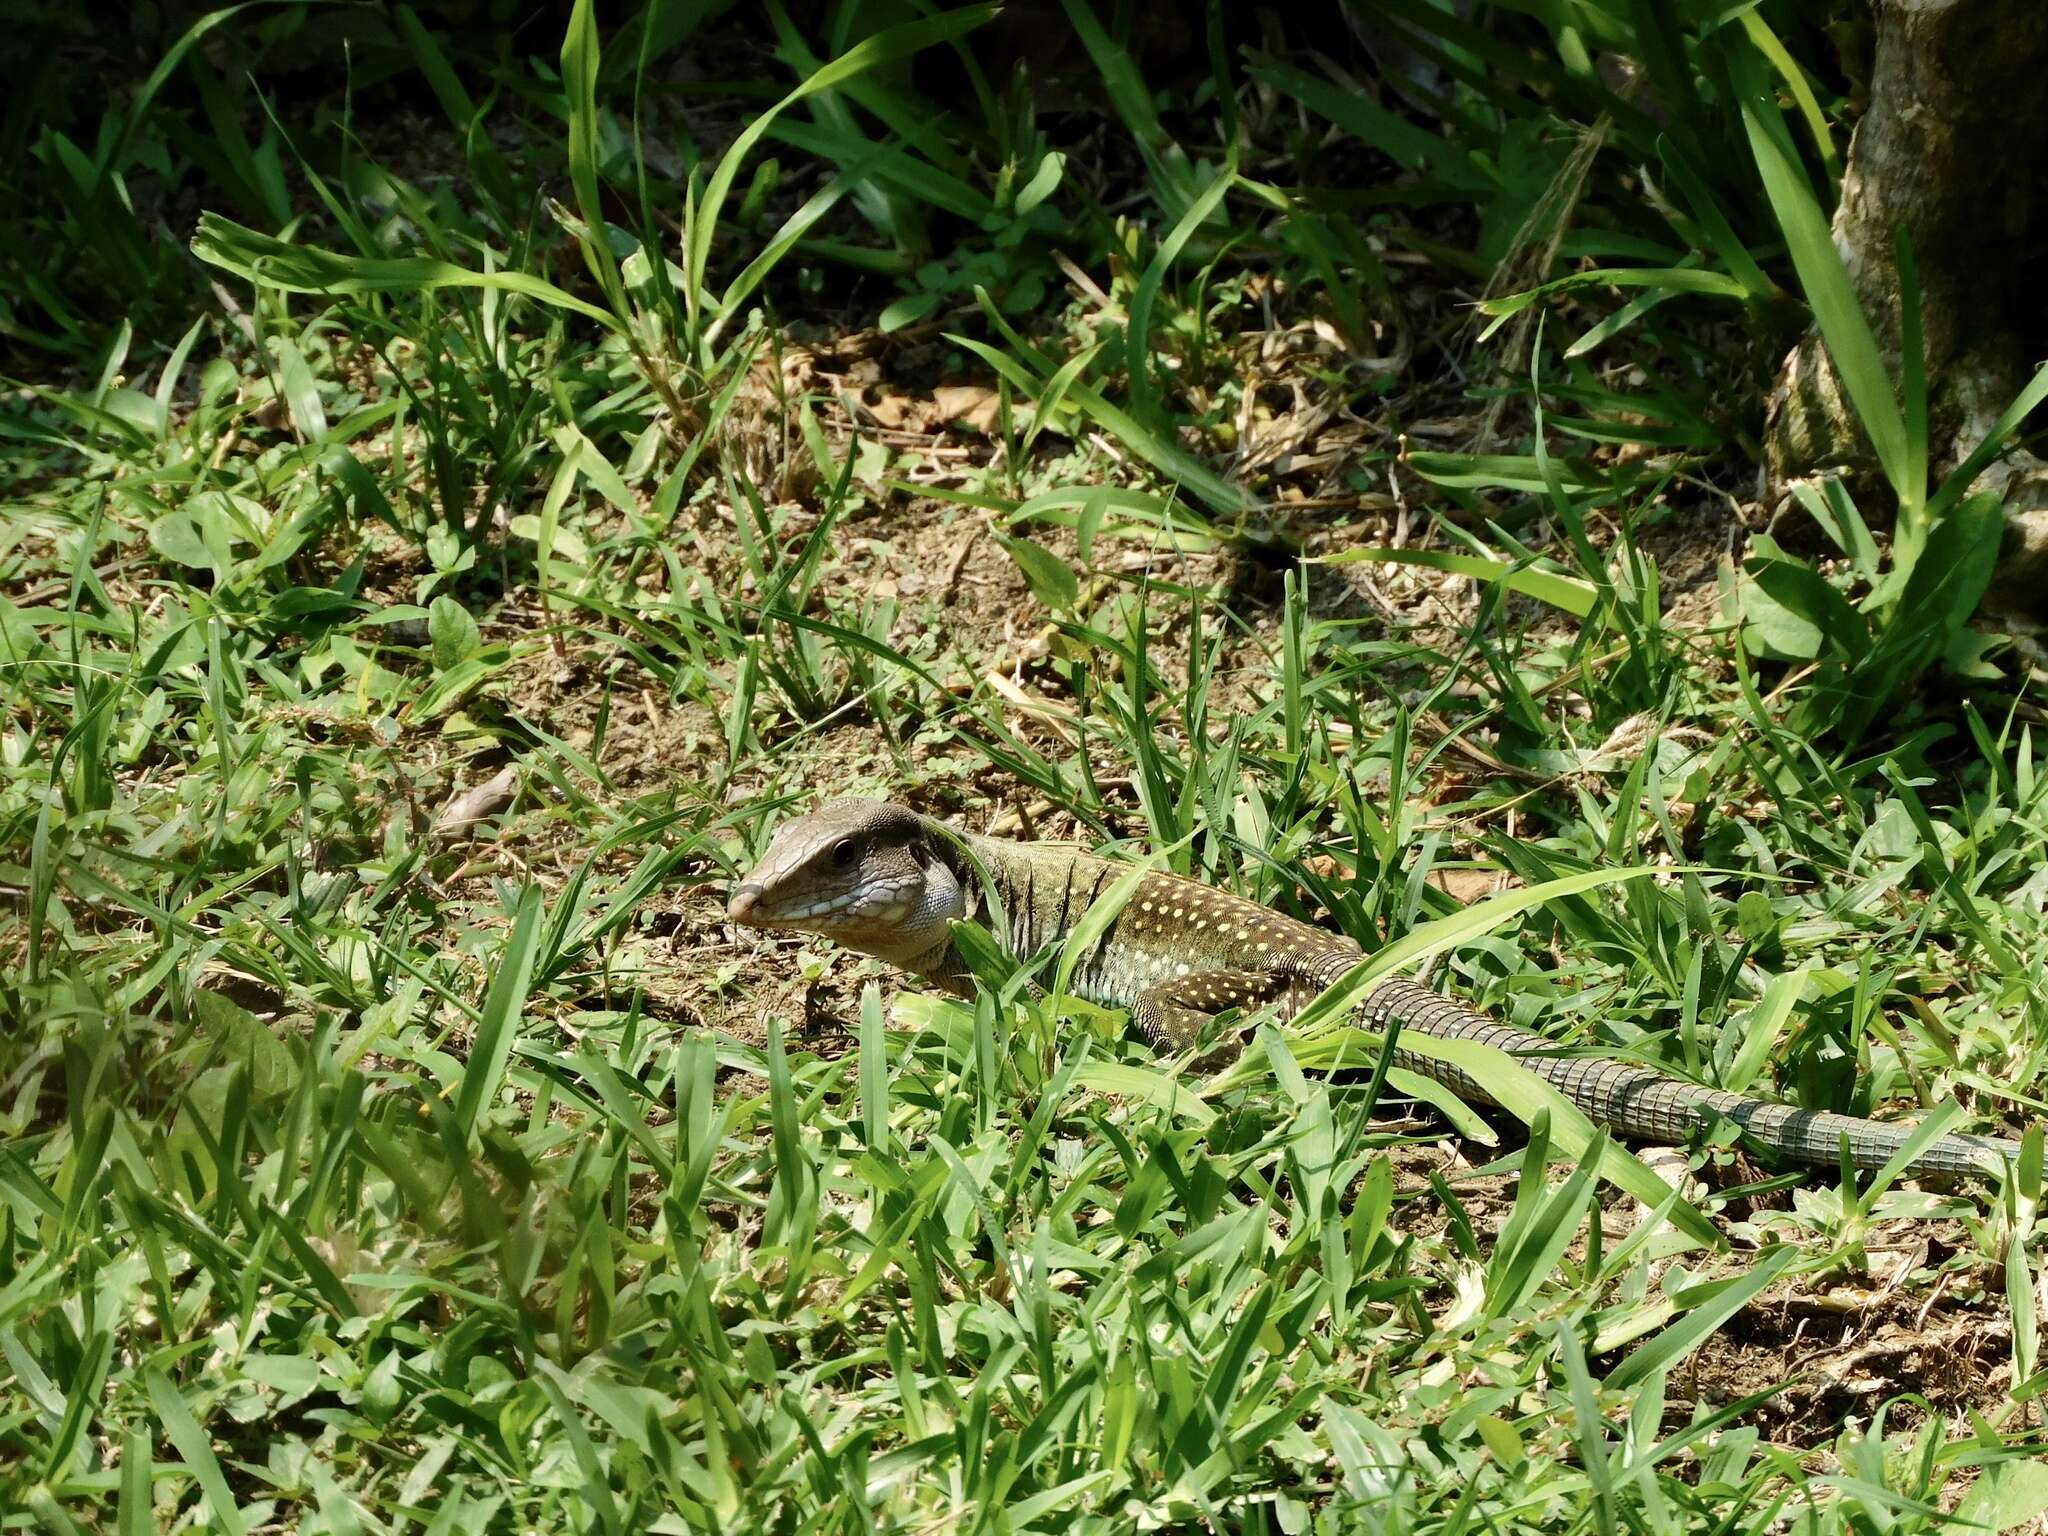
x: 1174, y: 1013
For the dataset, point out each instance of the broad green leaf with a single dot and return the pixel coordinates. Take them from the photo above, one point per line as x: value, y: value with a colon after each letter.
x: 2007, y: 1495
x: 454, y: 633
x: 245, y: 1040
x: 177, y: 537
x: 450, y: 687
x: 1505, y: 471
x: 1043, y: 182
x: 1794, y: 611
x: 1052, y: 580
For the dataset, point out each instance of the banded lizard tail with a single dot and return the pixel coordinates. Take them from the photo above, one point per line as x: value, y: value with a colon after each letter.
x: 882, y: 879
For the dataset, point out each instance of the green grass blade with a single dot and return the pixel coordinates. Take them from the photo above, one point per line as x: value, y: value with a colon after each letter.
x: 1912, y: 361
x: 1707, y: 1317
x: 1566, y: 593
x: 1446, y: 933
x: 1761, y: 1028
x: 1163, y: 455
x: 1138, y: 330
x: 1836, y: 310
x: 273, y: 263
x: 134, y: 1513
x: 895, y: 43
x: 579, y: 83
x: 1800, y: 85
x: 1102, y: 912
x: 491, y: 1048
x: 194, y: 1449
x: 1996, y: 441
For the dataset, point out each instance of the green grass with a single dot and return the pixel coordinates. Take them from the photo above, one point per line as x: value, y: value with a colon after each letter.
x: 363, y: 1174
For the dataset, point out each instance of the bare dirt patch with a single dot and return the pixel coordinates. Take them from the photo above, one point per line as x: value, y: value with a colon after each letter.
x: 1824, y: 1366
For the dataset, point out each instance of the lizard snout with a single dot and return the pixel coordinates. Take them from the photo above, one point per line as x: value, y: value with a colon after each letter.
x: 740, y: 908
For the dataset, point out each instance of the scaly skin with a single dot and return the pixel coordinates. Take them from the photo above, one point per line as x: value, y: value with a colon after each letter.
x: 884, y: 880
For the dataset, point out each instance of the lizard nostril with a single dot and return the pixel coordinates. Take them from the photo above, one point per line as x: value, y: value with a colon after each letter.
x: 741, y: 907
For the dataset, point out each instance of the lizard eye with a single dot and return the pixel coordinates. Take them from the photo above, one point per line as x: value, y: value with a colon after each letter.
x: 844, y: 853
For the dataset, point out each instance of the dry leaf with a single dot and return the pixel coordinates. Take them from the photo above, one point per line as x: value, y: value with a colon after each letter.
x: 893, y: 411
x: 460, y: 816
x: 972, y: 406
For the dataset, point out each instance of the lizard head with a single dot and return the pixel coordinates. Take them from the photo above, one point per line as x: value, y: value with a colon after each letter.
x: 865, y: 873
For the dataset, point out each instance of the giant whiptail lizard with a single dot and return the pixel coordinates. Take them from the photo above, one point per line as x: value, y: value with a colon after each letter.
x: 887, y: 881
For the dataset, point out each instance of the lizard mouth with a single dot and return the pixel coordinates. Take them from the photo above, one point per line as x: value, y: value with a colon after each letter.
x: 848, y: 916
x: 749, y: 908
x: 746, y: 907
